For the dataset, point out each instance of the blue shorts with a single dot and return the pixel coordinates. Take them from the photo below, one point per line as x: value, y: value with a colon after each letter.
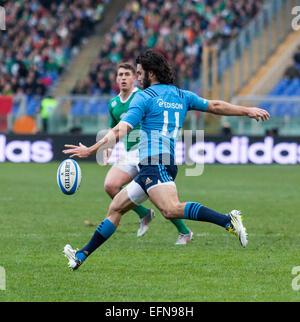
x: 152, y: 175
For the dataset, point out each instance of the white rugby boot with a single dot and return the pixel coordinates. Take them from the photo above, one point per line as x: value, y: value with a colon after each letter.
x: 144, y: 223
x: 183, y: 239
x: 237, y: 228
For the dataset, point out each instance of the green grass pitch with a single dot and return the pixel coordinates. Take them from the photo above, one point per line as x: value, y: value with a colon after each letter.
x: 37, y: 220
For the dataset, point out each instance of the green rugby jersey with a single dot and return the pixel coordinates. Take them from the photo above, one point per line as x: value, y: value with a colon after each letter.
x: 117, y: 109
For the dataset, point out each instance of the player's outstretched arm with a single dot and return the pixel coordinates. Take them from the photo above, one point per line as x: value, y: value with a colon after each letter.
x: 111, y: 138
x: 224, y: 108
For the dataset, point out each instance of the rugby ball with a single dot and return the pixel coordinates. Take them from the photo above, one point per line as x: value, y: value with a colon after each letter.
x: 69, y: 176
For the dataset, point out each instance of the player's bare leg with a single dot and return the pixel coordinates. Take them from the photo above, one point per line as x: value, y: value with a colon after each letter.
x: 115, y: 179
x: 119, y: 206
x: 165, y: 198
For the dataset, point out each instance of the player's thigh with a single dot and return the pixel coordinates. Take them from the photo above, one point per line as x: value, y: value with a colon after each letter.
x: 165, y: 198
x: 121, y: 202
x: 116, y: 178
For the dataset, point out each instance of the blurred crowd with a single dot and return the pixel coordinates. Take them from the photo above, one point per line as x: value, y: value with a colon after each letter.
x: 39, y: 40
x: 293, y: 70
x: 178, y: 29
x: 42, y: 35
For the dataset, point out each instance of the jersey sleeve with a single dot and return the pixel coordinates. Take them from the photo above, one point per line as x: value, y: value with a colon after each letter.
x: 196, y: 102
x: 136, y: 110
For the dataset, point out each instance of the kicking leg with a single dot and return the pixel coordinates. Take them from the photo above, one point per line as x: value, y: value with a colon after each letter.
x: 121, y: 175
x: 119, y: 206
x: 165, y: 197
x: 185, y: 234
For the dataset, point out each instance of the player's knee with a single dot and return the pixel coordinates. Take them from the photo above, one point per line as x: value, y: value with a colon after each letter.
x: 111, y: 188
x: 113, y: 209
x: 116, y: 208
x: 171, y: 212
x: 166, y: 213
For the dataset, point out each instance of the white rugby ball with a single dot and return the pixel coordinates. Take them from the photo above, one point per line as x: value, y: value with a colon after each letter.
x: 69, y: 176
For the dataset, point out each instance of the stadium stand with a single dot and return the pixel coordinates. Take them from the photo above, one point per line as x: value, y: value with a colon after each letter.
x: 36, y: 49
x: 293, y: 70
x: 40, y: 40
x: 288, y: 85
x: 177, y: 29
x: 282, y: 102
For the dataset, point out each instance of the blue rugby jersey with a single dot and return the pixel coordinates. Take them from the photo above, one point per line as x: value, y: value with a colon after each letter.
x: 160, y: 110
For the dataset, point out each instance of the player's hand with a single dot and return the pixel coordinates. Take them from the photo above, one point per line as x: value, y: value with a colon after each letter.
x: 80, y: 151
x: 258, y: 113
x: 106, y: 156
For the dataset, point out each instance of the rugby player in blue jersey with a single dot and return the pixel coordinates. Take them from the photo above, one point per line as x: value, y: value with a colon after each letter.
x: 160, y: 109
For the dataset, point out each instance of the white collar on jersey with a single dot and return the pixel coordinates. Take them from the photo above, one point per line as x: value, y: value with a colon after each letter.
x: 133, y: 91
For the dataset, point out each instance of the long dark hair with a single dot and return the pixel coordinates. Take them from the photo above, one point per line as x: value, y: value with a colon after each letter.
x: 155, y: 62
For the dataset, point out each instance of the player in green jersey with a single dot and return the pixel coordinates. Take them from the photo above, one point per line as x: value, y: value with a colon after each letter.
x: 126, y: 168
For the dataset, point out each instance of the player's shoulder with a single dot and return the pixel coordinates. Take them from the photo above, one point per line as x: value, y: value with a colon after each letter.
x: 140, y: 95
x: 157, y: 90
x: 186, y: 93
x: 190, y: 94
x: 171, y: 90
x: 194, y: 101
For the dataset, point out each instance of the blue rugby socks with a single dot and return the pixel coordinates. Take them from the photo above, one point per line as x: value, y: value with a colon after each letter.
x: 192, y: 211
x: 196, y: 211
x: 102, y: 233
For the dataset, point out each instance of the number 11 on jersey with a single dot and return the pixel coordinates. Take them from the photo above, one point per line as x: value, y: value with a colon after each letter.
x: 166, y: 123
